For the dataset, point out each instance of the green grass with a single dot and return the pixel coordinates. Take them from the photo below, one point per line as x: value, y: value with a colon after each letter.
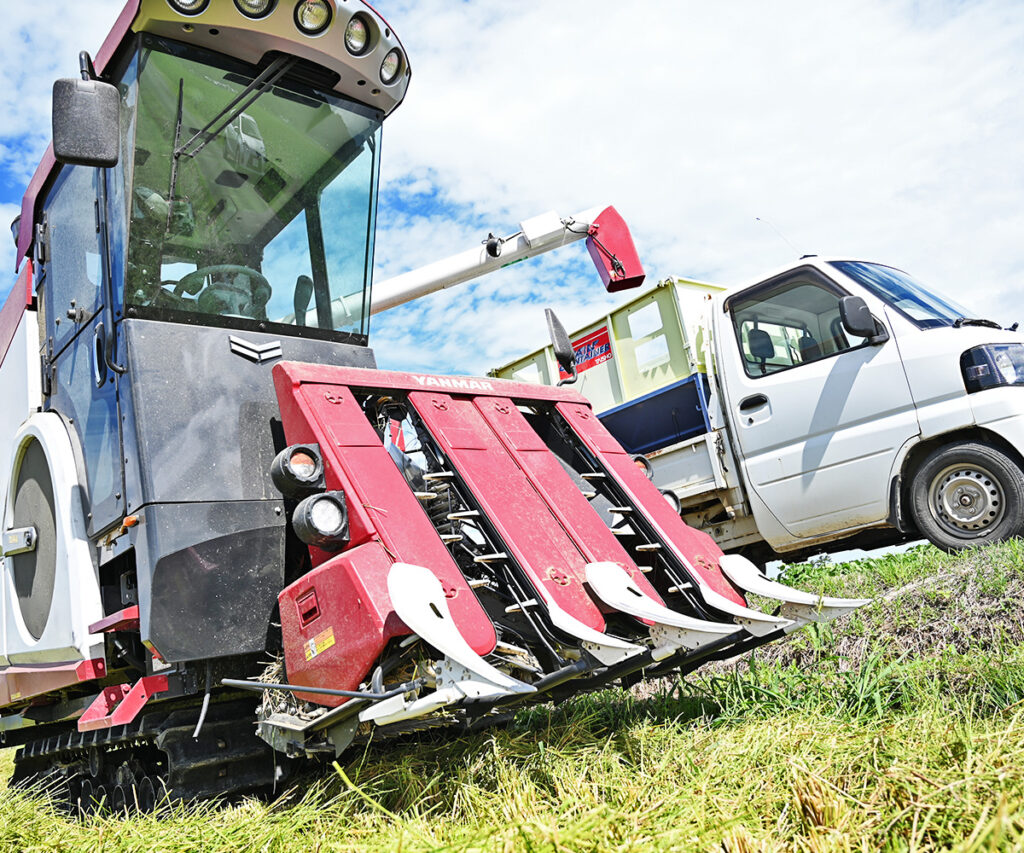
x: 901, y: 728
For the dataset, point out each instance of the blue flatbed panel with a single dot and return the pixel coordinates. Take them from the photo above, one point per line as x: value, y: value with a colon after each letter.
x: 669, y: 415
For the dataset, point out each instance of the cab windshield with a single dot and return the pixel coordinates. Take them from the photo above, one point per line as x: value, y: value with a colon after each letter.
x: 265, y: 218
x: 913, y: 300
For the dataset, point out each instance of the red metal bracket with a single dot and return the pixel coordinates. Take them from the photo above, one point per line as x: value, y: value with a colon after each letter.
x: 123, y: 620
x: 26, y: 682
x: 119, y: 705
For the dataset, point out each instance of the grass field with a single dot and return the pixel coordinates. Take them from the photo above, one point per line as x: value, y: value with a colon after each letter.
x: 899, y: 728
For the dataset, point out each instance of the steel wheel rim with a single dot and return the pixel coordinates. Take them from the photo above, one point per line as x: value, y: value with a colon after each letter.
x: 967, y: 500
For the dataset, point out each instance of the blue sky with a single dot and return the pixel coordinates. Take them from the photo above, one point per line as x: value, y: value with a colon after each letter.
x: 881, y: 129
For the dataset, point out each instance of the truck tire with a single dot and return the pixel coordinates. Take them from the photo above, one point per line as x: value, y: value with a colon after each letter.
x: 968, y: 494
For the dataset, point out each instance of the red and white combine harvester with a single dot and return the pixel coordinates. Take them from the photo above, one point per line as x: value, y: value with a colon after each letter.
x: 213, y: 549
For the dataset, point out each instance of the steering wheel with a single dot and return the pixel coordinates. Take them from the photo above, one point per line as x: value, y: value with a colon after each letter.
x: 247, y: 298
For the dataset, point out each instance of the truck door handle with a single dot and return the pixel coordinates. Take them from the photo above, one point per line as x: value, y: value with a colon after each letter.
x: 755, y: 401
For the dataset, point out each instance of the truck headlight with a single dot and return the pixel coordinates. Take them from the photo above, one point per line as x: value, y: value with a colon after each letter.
x: 322, y: 521
x: 992, y: 365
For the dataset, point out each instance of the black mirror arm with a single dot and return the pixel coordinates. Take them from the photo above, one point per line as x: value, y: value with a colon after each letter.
x: 880, y: 336
x: 86, y: 67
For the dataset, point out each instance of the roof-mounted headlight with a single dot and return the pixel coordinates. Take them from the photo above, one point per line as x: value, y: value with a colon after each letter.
x: 188, y: 7
x: 391, y: 67
x: 992, y: 365
x: 313, y: 16
x: 255, y: 8
x: 357, y: 35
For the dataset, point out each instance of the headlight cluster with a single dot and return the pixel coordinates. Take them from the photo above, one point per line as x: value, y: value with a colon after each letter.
x: 320, y: 518
x: 313, y: 17
x: 992, y: 365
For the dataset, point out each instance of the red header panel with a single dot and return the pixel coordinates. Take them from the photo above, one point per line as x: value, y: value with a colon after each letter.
x: 475, y: 386
x: 695, y: 547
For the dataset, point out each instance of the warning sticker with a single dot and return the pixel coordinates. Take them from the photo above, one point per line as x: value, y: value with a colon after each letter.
x: 320, y: 643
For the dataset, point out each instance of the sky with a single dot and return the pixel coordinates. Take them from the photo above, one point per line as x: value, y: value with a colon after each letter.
x: 733, y: 137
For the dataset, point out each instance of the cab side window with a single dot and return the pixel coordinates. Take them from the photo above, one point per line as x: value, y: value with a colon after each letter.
x: 73, y: 241
x: 789, y: 324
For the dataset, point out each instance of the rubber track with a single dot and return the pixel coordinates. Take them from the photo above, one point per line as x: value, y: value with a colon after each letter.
x: 227, y: 759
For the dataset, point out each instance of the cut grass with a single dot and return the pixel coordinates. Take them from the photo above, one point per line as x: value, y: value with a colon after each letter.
x: 900, y: 729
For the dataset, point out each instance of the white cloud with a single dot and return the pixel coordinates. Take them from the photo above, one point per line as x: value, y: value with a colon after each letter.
x: 873, y: 129
x: 879, y: 129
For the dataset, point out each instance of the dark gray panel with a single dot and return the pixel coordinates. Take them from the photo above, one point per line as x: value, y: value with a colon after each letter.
x: 203, y: 417
x: 209, y: 575
x: 34, y: 571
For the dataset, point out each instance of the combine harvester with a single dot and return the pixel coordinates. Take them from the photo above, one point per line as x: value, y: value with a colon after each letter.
x: 230, y: 543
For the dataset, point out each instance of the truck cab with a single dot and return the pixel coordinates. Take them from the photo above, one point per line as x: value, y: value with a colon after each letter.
x: 911, y: 423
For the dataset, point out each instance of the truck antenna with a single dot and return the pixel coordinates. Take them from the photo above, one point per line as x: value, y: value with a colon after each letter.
x: 781, y: 235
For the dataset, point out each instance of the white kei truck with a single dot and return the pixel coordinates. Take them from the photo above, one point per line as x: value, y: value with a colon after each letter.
x: 835, y: 404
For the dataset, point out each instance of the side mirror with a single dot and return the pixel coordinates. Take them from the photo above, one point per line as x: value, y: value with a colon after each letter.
x: 562, y: 346
x: 86, y: 122
x: 761, y: 345
x: 857, y: 319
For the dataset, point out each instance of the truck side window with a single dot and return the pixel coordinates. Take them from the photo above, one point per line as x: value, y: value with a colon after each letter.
x: 788, y: 325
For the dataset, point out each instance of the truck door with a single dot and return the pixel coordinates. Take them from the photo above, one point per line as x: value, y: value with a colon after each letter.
x: 819, y: 415
x: 81, y: 388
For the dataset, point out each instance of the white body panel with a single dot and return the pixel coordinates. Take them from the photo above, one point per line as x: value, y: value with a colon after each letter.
x: 819, y: 451
x: 76, y: 602
x: 20, y: 393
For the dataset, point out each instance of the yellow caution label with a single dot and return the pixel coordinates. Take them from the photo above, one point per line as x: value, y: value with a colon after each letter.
x: 320, y: 643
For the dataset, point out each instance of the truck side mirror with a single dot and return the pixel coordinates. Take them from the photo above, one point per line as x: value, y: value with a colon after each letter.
x: 857, y: 320
x: 86, y: 122
x: 562, y: 346
x: 761, y: 345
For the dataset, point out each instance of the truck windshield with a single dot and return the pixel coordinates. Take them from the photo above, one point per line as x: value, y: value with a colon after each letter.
x: 913, y: 300
x: 265, y: 219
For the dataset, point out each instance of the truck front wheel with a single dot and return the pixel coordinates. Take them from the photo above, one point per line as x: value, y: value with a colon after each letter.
x: 968, y: 494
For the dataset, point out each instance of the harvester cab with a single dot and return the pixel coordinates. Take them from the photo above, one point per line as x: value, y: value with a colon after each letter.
x: 218, y: 511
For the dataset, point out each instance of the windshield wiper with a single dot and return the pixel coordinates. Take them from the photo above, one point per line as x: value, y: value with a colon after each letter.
x: 967, y: 321
x: 215, y: 126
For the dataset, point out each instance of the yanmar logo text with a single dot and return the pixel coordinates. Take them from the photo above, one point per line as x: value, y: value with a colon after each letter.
x: 454, y: 383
